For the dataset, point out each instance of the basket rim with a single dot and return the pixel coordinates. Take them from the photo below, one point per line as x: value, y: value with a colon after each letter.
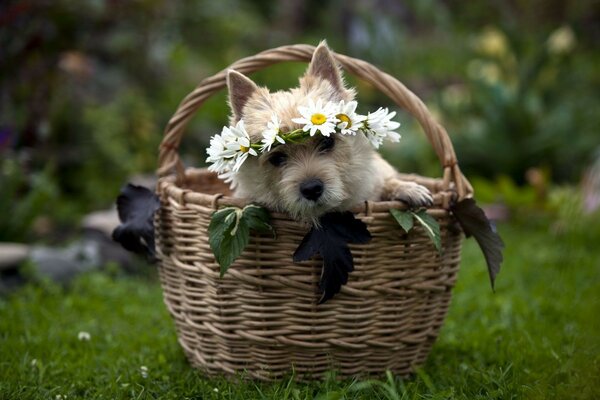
x: 169, y: 185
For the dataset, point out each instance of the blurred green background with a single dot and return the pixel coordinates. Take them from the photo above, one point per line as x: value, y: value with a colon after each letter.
x: 86, y: 88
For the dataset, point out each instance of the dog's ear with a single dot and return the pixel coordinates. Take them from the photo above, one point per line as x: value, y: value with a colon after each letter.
x: 240, y: 89
x: 324, y: 66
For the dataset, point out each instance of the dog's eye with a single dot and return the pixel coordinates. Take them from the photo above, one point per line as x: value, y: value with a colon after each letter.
x: 278, y: 159
x: 326, y: 144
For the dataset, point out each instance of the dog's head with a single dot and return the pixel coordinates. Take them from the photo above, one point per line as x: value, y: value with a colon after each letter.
x: 305, y: 179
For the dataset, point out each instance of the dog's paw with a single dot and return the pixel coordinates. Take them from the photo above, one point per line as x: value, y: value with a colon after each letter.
x: 411, y: 193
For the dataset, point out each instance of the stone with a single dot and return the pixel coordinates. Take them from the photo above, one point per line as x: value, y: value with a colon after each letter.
x: 12, y: 254
x: 104, y: 221
x: 146, y: 180
x: 62, y: 265
x: 591, y: 188
x: 112, y: 252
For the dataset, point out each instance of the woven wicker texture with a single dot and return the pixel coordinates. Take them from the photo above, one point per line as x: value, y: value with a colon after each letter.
x: 262, y: 317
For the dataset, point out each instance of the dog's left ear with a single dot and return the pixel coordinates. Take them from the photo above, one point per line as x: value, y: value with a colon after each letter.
x: 324, y: 66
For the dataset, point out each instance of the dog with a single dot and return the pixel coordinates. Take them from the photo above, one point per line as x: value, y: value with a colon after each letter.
x: 322, y: 174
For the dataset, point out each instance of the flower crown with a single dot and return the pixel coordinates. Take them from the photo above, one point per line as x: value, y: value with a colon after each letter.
x: 229, y: 150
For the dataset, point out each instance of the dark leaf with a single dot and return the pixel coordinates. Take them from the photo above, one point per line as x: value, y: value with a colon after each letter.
x: 309, y: 246
x: 431, y: 227
x: 474, y: 223
x: 337, y: 264
x: 330, y: 239
x: 346, y: 226
x: 404, y: 219
x: 136, y: 206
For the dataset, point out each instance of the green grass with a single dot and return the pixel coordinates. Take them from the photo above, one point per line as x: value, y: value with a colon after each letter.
x: 537, y: 337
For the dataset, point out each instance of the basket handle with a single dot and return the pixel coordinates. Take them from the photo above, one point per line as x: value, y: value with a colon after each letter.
x: 387, y: 84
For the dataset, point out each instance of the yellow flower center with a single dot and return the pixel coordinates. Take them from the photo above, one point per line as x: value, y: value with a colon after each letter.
x: 318, y: 119
x: 244, y: 149
x: 344, y: 118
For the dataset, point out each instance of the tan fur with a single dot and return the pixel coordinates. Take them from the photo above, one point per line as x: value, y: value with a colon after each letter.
x: 352, y: 172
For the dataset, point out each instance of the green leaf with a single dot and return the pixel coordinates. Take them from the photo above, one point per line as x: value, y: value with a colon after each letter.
x: 229, y: 232
x: 258, y: 219
x: 218, y: 224
x: 432, y: 228
x: 426, y: 379
x: 234, y: 242
x: 333, y: 395
x: 228, y: 235
x: 364, y: 385
x: 404, y: 218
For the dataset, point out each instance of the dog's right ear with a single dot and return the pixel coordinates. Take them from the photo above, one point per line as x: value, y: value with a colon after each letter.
x: 240, y: 89
x: 324, y: 66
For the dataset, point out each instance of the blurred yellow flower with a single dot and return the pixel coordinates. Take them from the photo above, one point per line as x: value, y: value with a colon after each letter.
x: 492, y: 42
x: 455, y: 96
x: 484, y: 70
x: 561, y: 41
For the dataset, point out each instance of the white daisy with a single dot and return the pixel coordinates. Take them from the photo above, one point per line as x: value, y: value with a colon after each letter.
x: 84, y: 336
x: 215, y: 153
x: 227, y: 177
x: 229, y: 150
x: 349, y: 121
x: 271, y: 134
x: 241, y: 156
x: 380, y: 126
x: 317, y: 117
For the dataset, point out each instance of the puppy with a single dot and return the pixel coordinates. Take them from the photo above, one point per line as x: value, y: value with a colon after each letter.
x: 322, y: 174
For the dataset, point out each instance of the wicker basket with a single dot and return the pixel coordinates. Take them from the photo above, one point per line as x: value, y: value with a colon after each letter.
x: 262, y: 316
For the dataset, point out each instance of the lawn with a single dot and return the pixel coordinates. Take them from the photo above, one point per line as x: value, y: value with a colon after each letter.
x: 536, y: 337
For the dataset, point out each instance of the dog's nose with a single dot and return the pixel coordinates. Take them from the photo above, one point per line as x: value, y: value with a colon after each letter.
x: 311, y: 189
